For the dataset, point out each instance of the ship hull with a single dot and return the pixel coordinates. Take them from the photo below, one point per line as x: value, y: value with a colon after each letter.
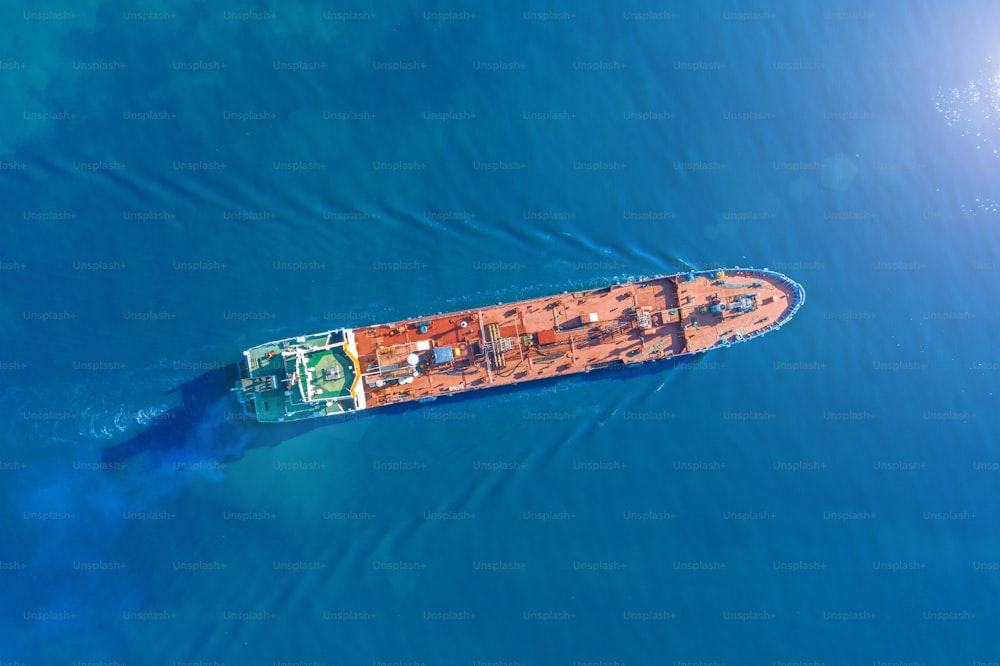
x: 347, y: 370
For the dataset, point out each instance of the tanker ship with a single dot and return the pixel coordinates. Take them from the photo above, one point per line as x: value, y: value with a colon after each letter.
x: 346, y: 370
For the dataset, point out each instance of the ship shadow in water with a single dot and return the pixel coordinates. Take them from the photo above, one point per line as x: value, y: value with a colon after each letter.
x: 209, y: 424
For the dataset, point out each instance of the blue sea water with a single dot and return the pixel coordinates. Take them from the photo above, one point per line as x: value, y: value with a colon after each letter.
x: 181, y: 183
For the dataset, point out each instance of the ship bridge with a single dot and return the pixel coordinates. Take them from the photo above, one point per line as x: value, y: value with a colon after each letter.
x: 314, y: 375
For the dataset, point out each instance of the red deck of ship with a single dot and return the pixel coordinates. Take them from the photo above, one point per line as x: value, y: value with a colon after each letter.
x: 563, y: 334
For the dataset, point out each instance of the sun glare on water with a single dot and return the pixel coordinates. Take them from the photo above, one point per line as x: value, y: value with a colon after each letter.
x: 973, y: 109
